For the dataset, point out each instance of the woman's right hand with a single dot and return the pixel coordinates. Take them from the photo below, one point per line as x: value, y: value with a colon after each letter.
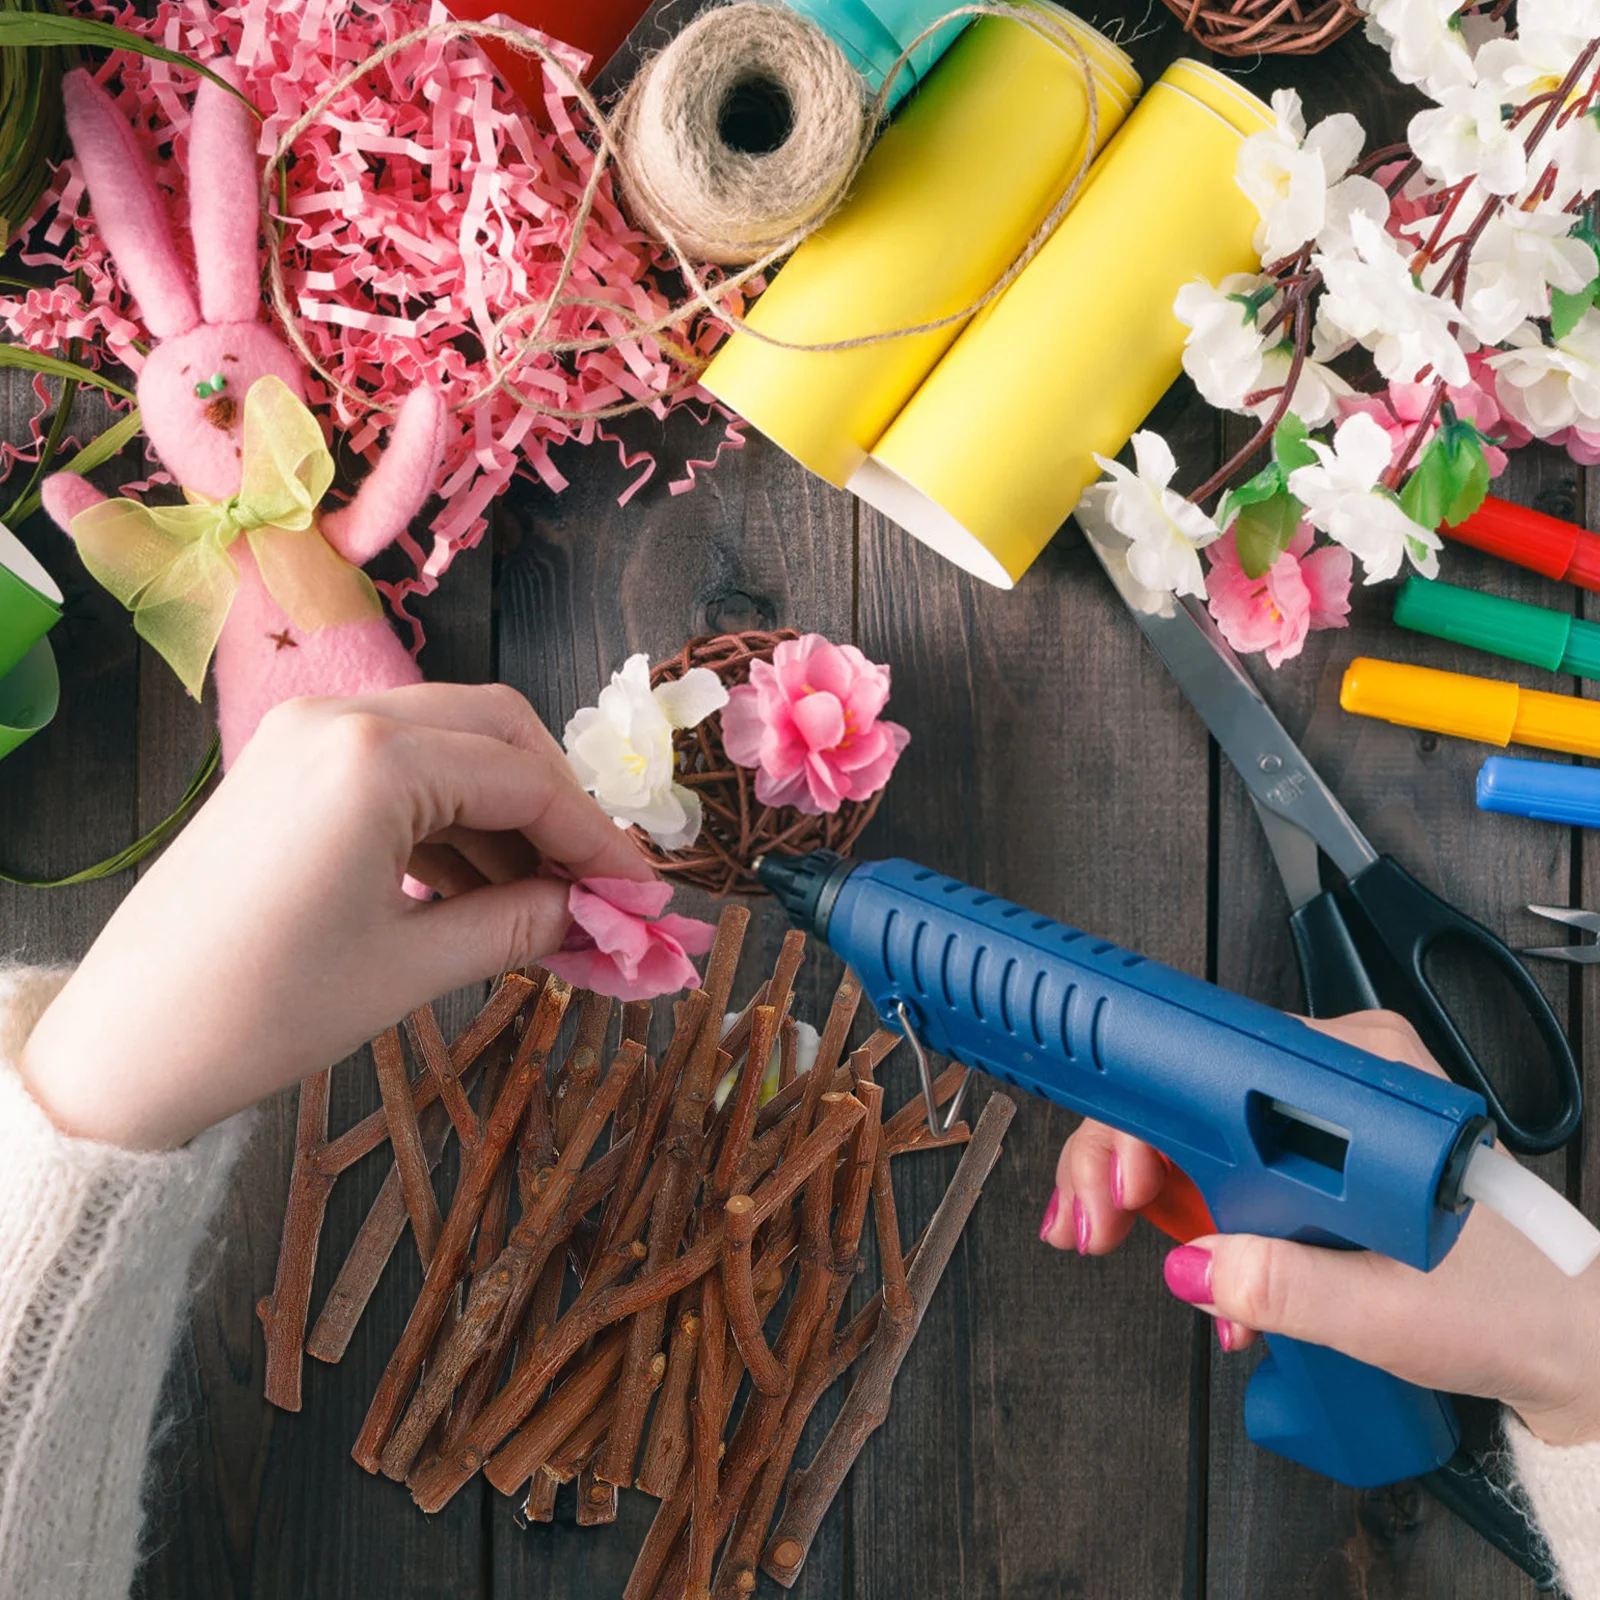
x: 1494, y: 1318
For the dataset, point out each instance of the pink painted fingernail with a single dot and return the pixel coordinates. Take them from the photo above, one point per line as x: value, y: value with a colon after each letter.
x: 1116, y: 1182
x: 1188, y: 1273
x: 1080, y: 1226
x: 1050, y: 1213
x: 1225, y: 1336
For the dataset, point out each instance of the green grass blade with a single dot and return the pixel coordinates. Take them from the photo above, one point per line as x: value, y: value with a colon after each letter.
x: 14, y: 355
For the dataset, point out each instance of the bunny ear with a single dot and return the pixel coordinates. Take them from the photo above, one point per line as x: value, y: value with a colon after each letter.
x: 128, y: 210
x: 224, y: 208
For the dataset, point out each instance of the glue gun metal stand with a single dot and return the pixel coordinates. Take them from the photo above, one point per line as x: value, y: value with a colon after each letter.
x: 1284, y: 1131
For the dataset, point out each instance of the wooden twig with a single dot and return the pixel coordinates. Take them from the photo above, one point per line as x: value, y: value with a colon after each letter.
x: 685, y: 1143
x: 673, y: 1514
x: 435, y: 1485
x: 580, y: 1072
x: 788, y: 1052
x: 812, y: 1490
x: 898, y: 1306
x: 477, y: 1174
x: 405, y: 1139
x: 691, y: 1017
x: 670, y: 1422
x: 708, y: 1419
x: 380, y: 1232
x: 746, y: 1102
x: 503, y: 1004
x: 766, y: 1370
x: 422, y: 1027
x: 515, y: 1273
x: 528, y: 1449
x: 579, y: 1446
x: 597, y: 1501
x: 283, y: 1313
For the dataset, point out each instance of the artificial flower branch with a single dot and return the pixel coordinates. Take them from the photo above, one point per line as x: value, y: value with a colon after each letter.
x: 1466, y: 262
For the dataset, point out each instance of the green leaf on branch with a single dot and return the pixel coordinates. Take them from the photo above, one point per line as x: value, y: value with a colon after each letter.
x: 1291, y: 446
x: 1266, y: 483
x: 1451, y: 478
x: 1567, y: 309
x: 1265, y: 530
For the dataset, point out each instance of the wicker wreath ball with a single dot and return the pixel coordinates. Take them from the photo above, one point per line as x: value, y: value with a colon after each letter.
x: 1266, y: 27
x: 738, y: 828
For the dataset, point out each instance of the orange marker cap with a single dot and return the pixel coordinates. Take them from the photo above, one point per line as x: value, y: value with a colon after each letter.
x: 1486, y: 709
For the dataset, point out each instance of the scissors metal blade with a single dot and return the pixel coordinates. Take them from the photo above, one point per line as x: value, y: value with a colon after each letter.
x: 1281, y: 781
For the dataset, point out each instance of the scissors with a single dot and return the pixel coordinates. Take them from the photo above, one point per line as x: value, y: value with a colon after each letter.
x: 1363, y: 944
x: 1577, y: 955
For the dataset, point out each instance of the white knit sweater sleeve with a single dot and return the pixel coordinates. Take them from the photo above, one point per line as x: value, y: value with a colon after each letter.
x: 1562, y: 1483
x: 96, y: 1249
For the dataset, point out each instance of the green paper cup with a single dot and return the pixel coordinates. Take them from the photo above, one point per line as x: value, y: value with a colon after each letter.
x: 30, y: 602
x: 29, y: 695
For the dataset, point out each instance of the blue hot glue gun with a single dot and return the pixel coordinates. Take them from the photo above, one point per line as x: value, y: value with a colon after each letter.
x: 1284, y: 1131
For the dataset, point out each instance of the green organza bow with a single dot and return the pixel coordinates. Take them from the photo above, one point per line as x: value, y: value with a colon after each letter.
x: 171, y: 566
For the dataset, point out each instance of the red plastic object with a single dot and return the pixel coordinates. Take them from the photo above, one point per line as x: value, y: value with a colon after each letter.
x: 1532, y: 539
x: 597, y: 27
x: 1178, y: 1211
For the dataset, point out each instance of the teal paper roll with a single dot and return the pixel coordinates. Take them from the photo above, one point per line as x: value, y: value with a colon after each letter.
x: 29, y: 695
x: 875, y: 33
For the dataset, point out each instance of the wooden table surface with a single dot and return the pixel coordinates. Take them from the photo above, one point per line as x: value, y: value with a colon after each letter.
x: 1063, y: 1427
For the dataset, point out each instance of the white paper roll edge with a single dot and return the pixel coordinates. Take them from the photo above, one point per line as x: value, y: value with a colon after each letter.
x: 16, y: 557
x: 908, y: 507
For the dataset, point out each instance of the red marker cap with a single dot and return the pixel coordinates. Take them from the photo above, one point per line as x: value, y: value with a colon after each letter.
x: 1532, y: 539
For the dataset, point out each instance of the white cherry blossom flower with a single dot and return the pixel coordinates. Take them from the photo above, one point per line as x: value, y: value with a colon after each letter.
x: 1521, y: 256
x: 1165, y: 532
x: 1425, y: 42
x: 1373, y: 298
x: 1224, y: 350
x: 1317, y: 391
x: 1286, y: 173
x: 1467, y: 135
x: 1548, y: 387
x: 1341, y: 496
x: 1348, y: 198
x: 621, y: 749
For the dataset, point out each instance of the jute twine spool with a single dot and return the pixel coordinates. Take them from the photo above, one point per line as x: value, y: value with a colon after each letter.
x: 740, y: 133
x: 513, y: 341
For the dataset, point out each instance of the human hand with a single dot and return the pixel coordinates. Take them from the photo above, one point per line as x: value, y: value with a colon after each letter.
x: 274, y: 937
x: 1495, y: 1318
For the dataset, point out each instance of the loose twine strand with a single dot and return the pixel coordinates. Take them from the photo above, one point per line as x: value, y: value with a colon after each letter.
x: 703, y: 292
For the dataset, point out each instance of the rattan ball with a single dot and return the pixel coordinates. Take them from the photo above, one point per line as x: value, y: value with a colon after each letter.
x: 1266, y: 27
x: 737, y: 828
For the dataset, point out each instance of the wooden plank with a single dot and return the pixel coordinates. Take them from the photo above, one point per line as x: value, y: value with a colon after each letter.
x: 1274, y: 1527
x: 254, y: 1501
x: 1045, y: 1407
x: 582, y: 584
x: 67, y: 797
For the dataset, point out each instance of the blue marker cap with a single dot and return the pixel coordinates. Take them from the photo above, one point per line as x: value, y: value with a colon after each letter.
x: 1547, y: 791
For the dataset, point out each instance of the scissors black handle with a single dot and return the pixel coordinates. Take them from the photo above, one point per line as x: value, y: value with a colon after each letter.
x: 1407, y: 921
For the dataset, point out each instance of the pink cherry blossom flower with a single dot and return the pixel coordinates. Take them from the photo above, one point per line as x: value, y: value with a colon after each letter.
x: 1400, y: 407
x: 1304, y: 589
x: 621, y: 945
x: 809, y: 725
x: 1584, y: 448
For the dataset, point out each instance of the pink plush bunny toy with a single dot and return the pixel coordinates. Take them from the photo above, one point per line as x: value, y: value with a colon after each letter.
x: 223, y: 402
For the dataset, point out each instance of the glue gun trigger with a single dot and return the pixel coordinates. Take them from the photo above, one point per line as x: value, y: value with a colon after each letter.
x: 1179, y: 1211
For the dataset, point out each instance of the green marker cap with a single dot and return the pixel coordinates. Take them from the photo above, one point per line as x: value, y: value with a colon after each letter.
x: 1506, y: 628
x: 1583, y: 650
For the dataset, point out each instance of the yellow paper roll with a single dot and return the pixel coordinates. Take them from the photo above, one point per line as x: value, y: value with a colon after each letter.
x: 944, y: 204
x: 995, y: 450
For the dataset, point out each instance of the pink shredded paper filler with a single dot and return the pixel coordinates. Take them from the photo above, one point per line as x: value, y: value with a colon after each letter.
x: 422, y: 208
